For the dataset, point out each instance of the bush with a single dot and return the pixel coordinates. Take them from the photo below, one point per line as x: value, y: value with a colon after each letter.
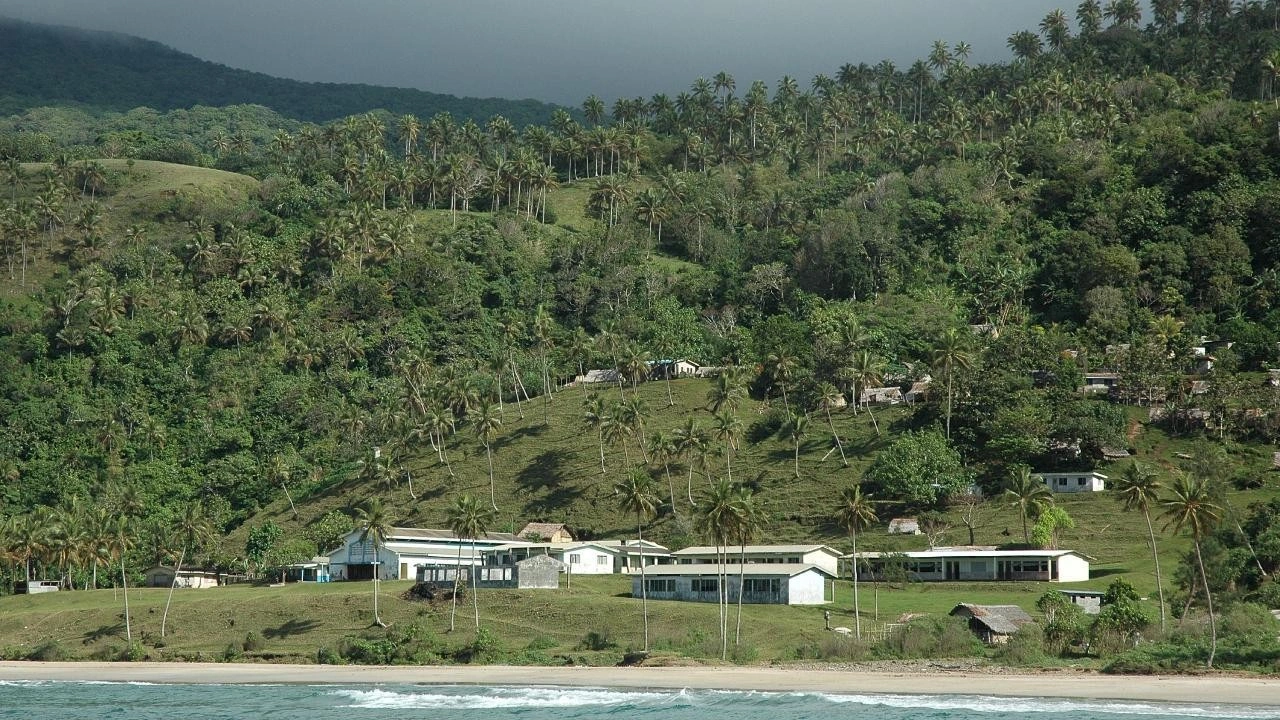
x: 932, y: 637
x: 599, y: 639
x: 133, y: 653
x: 48, y: 651
x: 1026, y: 647
x: 232, y: 652
x: 328, y: 656
x: 253, y: 642
x: 834, y: 647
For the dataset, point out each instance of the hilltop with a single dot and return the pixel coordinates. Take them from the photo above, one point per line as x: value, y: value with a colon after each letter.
x: 45, y: 65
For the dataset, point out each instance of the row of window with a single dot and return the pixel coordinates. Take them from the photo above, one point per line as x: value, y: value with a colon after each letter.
x: 710, y: 585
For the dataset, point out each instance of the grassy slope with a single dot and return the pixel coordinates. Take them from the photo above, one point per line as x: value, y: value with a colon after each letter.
x: 142, y: 193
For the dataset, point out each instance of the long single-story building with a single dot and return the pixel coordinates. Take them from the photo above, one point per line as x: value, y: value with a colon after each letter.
x: 163, y: 577
x: 1071, y: 482
x: 630, y: 553
x: 536, y: 572
x: 407, y: 548
x: 581, y: 558
x: 764, y: 584
x: 822, y: 556
x: 965, y: 564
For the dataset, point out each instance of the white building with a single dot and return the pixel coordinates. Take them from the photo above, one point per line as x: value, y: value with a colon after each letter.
x: 977, y: 563
x: 163, y: 577
x: 580, y: 558
x: 1070, y: 482
x: 773, y: 584
x: 406, y: 549
x: 631, y: 551
x: 822, y: 556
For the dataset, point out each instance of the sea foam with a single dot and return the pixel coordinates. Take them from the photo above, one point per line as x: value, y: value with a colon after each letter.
x: 502, y: 697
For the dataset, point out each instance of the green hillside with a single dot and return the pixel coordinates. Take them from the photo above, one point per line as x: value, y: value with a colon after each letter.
x: 42, y: 65
x: 201, y: 363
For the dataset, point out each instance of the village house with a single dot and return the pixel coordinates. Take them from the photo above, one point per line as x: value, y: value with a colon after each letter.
x: 919, y: 391
x: 36, y: 587
x: 163, y: 577
x: 1072, y: 482
x: 765, y: 584
x: 316, y: 570
x: 580, y: 558
x: 1090, y: 601
x: 603, y: 375
x: 539, y: 572
x: 1100, y: 382
x: 821, y: 556
x: 994, y: 624
x: 881, y: 396
x: 630, y: 553
x: 975, y: 563
x: 545, y: 532
x: 407, y: 548
x: 904, y: 526
x: 672, y: 369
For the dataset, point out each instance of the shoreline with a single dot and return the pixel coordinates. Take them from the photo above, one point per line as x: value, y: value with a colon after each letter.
x: 1217, y: 689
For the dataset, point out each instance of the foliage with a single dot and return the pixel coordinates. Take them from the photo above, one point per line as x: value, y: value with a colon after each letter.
x: 1052, y: 518
x: 919, y: 468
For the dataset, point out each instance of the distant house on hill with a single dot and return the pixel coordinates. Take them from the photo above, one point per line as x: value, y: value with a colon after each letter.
x: 1100, y: 382
x: 163, y: 577
x: 545, y: 532
x: 994, y: 624
x: 1072, y: 482
x: 904, y: 526
x: 672, y: 369
x: 891, y: 395
x: 603, y: 375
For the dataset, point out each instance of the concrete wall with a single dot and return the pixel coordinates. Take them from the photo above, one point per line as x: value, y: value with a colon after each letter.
x: 824, y: 560
x: 1072, y: 569
x: 1070, y: 482
x: 589, y: 561
x: 807, y: 588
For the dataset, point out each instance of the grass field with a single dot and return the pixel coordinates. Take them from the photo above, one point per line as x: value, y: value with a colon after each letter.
x: 294, y: 621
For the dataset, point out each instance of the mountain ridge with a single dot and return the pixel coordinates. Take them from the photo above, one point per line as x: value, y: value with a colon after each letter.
x: 119, y: 72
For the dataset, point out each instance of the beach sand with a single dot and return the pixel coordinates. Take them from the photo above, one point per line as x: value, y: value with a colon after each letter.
x: 1208, y: 689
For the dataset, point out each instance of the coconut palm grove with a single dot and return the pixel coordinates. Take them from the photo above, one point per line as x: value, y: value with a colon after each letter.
x: 235, y: 327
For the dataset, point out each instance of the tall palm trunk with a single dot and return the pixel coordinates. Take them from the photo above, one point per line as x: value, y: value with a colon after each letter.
x: 600, y: 434
x: 644, y: 591
x: 1208, y: 598
x: 124, y: 585
x: 844, y: 461
x: 671, y: 486
x: 1155, y: 555
x: 164, y: 618
x: 457, y: 576
x: 475, y: 583
x: 742, y: 580
x: 492, y: 497
x: 377, y: 619
x: 857, y: 610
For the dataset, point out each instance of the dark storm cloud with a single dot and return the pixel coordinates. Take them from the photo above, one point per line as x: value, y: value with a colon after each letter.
x: 557, y: 50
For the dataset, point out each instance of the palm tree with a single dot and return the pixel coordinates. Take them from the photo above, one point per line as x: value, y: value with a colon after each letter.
x: 866, y: 371
x: 718, y: 522
x: 1026, y: 492
x: 691, y: 440
x: 855, y: 513
x: 750, y: 521
x: 1191, y: 505
x: 794, y: 429
x: 375, y: 522
x: 487, y: 423
x: 193, y: 530
x: 278, y: 472
x: 951, y: 352
x: 468, y: 519
x: 727, y: 428
x: 635, y: 495
x: 595, y: 417
x: 1138, y: 488
x: 662, y: 448
x: 120, y: 543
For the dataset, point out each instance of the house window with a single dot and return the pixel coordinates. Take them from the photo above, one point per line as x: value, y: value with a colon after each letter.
x: 602, y: 559
x: 925, y: 566
x: 574, y: 559
x: 1079, y: 481
x: 760, y: 586
x: 661, y: 585
x: 1062, y: 481
x: 704, y: 585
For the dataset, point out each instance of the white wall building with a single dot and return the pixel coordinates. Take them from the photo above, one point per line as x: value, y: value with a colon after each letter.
x: 966, y: 564
x: 1070, y: 482
x: 770, y: 584
x: 825, y: 557
x: 407, y: 548
x: 580, y: 558
x: 630, y: 553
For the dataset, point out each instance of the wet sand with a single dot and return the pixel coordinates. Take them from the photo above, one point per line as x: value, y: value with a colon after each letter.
x: 1209, y: 689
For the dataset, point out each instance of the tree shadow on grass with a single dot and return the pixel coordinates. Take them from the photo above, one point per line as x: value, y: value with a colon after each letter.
x: 532, y: 430
x: 104, y: 632
x: 291, y: 628
x: 546, y: 470
x: 557, y: 499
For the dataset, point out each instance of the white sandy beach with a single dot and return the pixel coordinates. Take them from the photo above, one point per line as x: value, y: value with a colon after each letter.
x: 1212, y: 689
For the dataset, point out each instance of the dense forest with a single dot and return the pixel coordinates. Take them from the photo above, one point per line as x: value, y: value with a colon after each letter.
x: 43, y: 65
x: 1107, y: 201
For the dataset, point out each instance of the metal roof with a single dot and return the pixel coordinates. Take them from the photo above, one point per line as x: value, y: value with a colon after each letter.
x: 755, y: 569
x: 959, y: 553
x: 757, y: 550
x: 403, y: 533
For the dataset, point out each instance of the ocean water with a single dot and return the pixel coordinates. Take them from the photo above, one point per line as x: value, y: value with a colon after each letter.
x: 39, y: 700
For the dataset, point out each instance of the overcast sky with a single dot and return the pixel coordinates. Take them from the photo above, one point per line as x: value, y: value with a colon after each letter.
x: 555, y: 50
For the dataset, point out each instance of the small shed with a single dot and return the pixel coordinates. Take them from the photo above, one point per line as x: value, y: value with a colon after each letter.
x: 904, y: 526
x: 919, y: 391
x: 163, y: 577
x: 994, y: 624
x: 317, y: 570
x: 545, y: 532
x: 1072, y: 482
x: 1090, y: 601
x: 672, y: 369
x: 1100, y: 382
x: 35, y: 587
x: 881, y: 396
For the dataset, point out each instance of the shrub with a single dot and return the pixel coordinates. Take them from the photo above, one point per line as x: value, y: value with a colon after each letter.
x: 1026, y: 647
x: 133, y: 653
x: 232, y: 652
x: 328, y: 656
x: 834, y: 647
x: 253, y: 642
x: 598, y: 639
x: 932, y: 637
x: 48, y: 651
